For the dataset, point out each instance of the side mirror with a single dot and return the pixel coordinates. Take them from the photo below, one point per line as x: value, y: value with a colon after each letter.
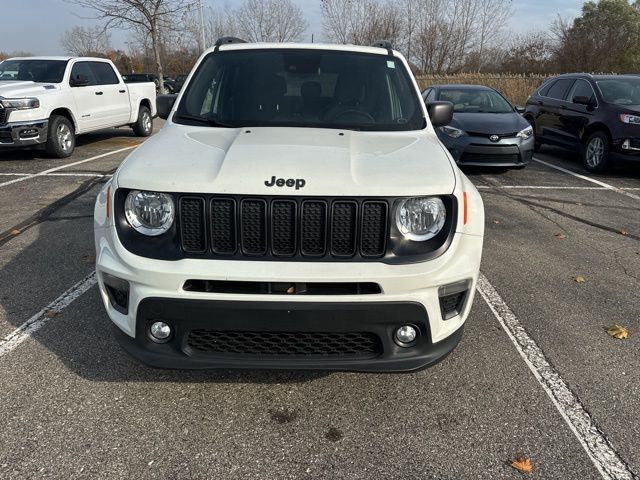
x: 164, y: 104
x: 520, y: 109
x: 79, y: 81
x: 440, y: 113
x: 580, y: 100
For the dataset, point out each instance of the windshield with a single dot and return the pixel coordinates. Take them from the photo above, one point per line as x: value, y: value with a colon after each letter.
x: 43, y: 71
x: 621, y: 91
x: 301, y: 88
x: 469, y: 100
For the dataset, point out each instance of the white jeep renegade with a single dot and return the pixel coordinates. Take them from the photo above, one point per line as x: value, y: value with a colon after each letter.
x: 296, y: 211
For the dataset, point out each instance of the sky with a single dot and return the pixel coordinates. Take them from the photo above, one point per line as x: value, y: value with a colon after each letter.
x: 36, y: 26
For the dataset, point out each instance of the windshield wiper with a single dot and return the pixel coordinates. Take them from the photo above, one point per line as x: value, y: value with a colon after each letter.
x: 204, y: 120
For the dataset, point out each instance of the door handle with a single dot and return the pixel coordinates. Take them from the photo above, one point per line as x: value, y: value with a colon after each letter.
x: 122, y: 91
x: 99, y: 93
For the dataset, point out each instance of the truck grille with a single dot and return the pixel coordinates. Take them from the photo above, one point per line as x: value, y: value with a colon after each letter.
x: 352, y: 344
x: 278, y: 228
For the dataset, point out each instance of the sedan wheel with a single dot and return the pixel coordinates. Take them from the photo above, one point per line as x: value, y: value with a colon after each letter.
x: 596, y: 153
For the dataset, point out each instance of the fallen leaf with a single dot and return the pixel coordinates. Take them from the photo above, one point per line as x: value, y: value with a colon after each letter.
x: 560, y: 236
x: 89, y: 258
x: 618, y: 331
x: 496, y: 221
x: 522, y: 465
x: 624, y: 232
x: 580, y: 279
x: 51, y: 314
x: 15, y: 232
x: 291, y: 290
x: 578, y: 203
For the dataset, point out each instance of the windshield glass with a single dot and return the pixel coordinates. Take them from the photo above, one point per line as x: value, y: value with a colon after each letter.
x: 301, y: 88
x: 43, y: 71
x: 621, y: 91
x: 469, y: 100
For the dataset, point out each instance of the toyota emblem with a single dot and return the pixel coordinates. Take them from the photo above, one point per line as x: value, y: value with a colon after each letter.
x: 494, y: 138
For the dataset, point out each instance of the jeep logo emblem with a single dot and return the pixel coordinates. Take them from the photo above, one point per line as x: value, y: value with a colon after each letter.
x: 289, y: 182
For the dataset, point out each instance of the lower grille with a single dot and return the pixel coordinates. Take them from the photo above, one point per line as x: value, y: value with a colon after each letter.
x: 489, y: 158
x: 339, y: 344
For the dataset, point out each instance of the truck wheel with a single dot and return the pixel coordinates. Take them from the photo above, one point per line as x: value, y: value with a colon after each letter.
x: 595, y: 154
x: 61, y: 138
x: 144, y: 126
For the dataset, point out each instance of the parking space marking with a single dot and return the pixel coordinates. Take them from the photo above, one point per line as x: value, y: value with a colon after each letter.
x: 61, y: 167
x: 595, y: 443
x: 35, y: 323
x: 95, y: 175
x: 548, y: 187
x: 589, y: 179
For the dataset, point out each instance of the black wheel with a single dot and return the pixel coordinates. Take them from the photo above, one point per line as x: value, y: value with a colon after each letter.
x: 595, y: 153
x: 144, y: 126
x: 61, y: 138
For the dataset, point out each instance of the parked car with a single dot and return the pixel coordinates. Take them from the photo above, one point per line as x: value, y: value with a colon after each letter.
x: 50, y: 100
x: 598, y: 115
x: 176, y: 85
x: 296, y: 211
x: 486, y: 129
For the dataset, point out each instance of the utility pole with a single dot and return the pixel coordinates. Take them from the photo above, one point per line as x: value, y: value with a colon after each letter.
x: 202, y: 35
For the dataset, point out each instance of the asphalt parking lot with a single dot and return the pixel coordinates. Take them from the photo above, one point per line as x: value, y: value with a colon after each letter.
x: 536, y: 375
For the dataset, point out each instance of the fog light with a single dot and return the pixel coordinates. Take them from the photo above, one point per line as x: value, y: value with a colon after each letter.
x: 406, y: 335
x: 626, y: 145
x: 160, y: 331
x: 30, y: 133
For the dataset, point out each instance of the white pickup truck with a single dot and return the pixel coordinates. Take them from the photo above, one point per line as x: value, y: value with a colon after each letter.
x: 50, y: 100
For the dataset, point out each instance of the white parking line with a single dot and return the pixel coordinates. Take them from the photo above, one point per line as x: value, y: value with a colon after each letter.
x: 602, y: 453
x: 589, y: 179
x: 545, y: 187
x: 61, y: 167
x: 95, y: 175
x: 35, y: 323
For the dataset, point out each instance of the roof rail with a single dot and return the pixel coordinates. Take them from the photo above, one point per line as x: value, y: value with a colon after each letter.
x: 227, y: 41
x: 386, y: 44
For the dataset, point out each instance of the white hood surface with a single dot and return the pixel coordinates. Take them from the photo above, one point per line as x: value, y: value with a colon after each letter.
x: 20, y: 88
x: 331, y: 162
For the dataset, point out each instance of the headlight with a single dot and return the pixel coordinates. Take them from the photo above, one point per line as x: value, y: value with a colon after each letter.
x: 149, y: 213
x: 20, y: 103
x: 421, y: 218
x: 634, y: 119
x: 453, y: 132
x: 526, y: 133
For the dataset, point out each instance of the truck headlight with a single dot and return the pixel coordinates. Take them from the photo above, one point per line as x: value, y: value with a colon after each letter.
x: 526, y: 133
x: 632, y: 119
x: 453, y: 132
x: 149, y: 213
x: 20, y: 103
x: 420, y: 218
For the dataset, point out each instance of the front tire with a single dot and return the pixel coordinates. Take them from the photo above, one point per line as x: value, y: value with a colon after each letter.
x: 596, y: 153
x: 61, y: 138
x: 144, y: 125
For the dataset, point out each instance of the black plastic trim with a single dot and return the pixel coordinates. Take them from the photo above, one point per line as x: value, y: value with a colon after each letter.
x: 204, y: 223
x: 354, y: 248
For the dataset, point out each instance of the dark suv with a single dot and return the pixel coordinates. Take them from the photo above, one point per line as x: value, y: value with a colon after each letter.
x: 597, y: 114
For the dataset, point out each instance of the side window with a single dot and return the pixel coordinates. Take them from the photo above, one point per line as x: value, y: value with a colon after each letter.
x: 559, y: 89
x: 426, y: 93
x: 431, y: 96
x: 544, y: 91
x: 82, y: 70
x: 104, y: 73
x: 582, y: 88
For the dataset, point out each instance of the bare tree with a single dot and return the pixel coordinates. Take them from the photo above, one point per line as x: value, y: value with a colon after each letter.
x: 491, y: 18
x: 270, y: 21
x: 150, y: 16
x: 83, y: 42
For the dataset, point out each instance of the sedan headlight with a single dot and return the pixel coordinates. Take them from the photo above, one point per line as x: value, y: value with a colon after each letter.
x: 420, y: 218
x: 526, y: 133
x: 20, y: 103
x: 453, y: 132
x: 149, y: 213
x: 633, y: 119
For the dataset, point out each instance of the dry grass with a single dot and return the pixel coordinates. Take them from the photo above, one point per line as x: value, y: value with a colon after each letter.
x: 515, y: 87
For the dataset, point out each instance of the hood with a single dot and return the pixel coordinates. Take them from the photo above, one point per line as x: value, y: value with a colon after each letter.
x: 317, y: 161
x: 489, y: 123
x: 19, y: 88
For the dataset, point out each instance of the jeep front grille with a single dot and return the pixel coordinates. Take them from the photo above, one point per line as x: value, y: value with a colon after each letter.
x: 277, y: 228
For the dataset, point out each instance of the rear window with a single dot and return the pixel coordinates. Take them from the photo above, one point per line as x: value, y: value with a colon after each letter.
x: 559, y: 89
x: 302, y: 88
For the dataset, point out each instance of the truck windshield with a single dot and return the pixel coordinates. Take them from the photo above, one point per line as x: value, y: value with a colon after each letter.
x: 621, y: 91
x: 42, y: 71
x: 302, y: 88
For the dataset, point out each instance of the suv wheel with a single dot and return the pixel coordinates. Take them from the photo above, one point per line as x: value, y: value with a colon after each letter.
x: 61, y: 138
x: 595, y: 154
x: 144, y: 126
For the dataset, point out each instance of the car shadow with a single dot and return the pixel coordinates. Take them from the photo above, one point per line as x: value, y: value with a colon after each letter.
x: 621, y: 168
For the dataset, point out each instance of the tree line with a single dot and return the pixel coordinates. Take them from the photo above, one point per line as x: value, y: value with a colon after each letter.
x: 436, y: 36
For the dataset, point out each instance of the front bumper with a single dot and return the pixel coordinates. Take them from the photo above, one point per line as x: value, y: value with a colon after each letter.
x: 410, y: 294
x: 480, y: 151
x: 24, y: 134
x: 626, y: 148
